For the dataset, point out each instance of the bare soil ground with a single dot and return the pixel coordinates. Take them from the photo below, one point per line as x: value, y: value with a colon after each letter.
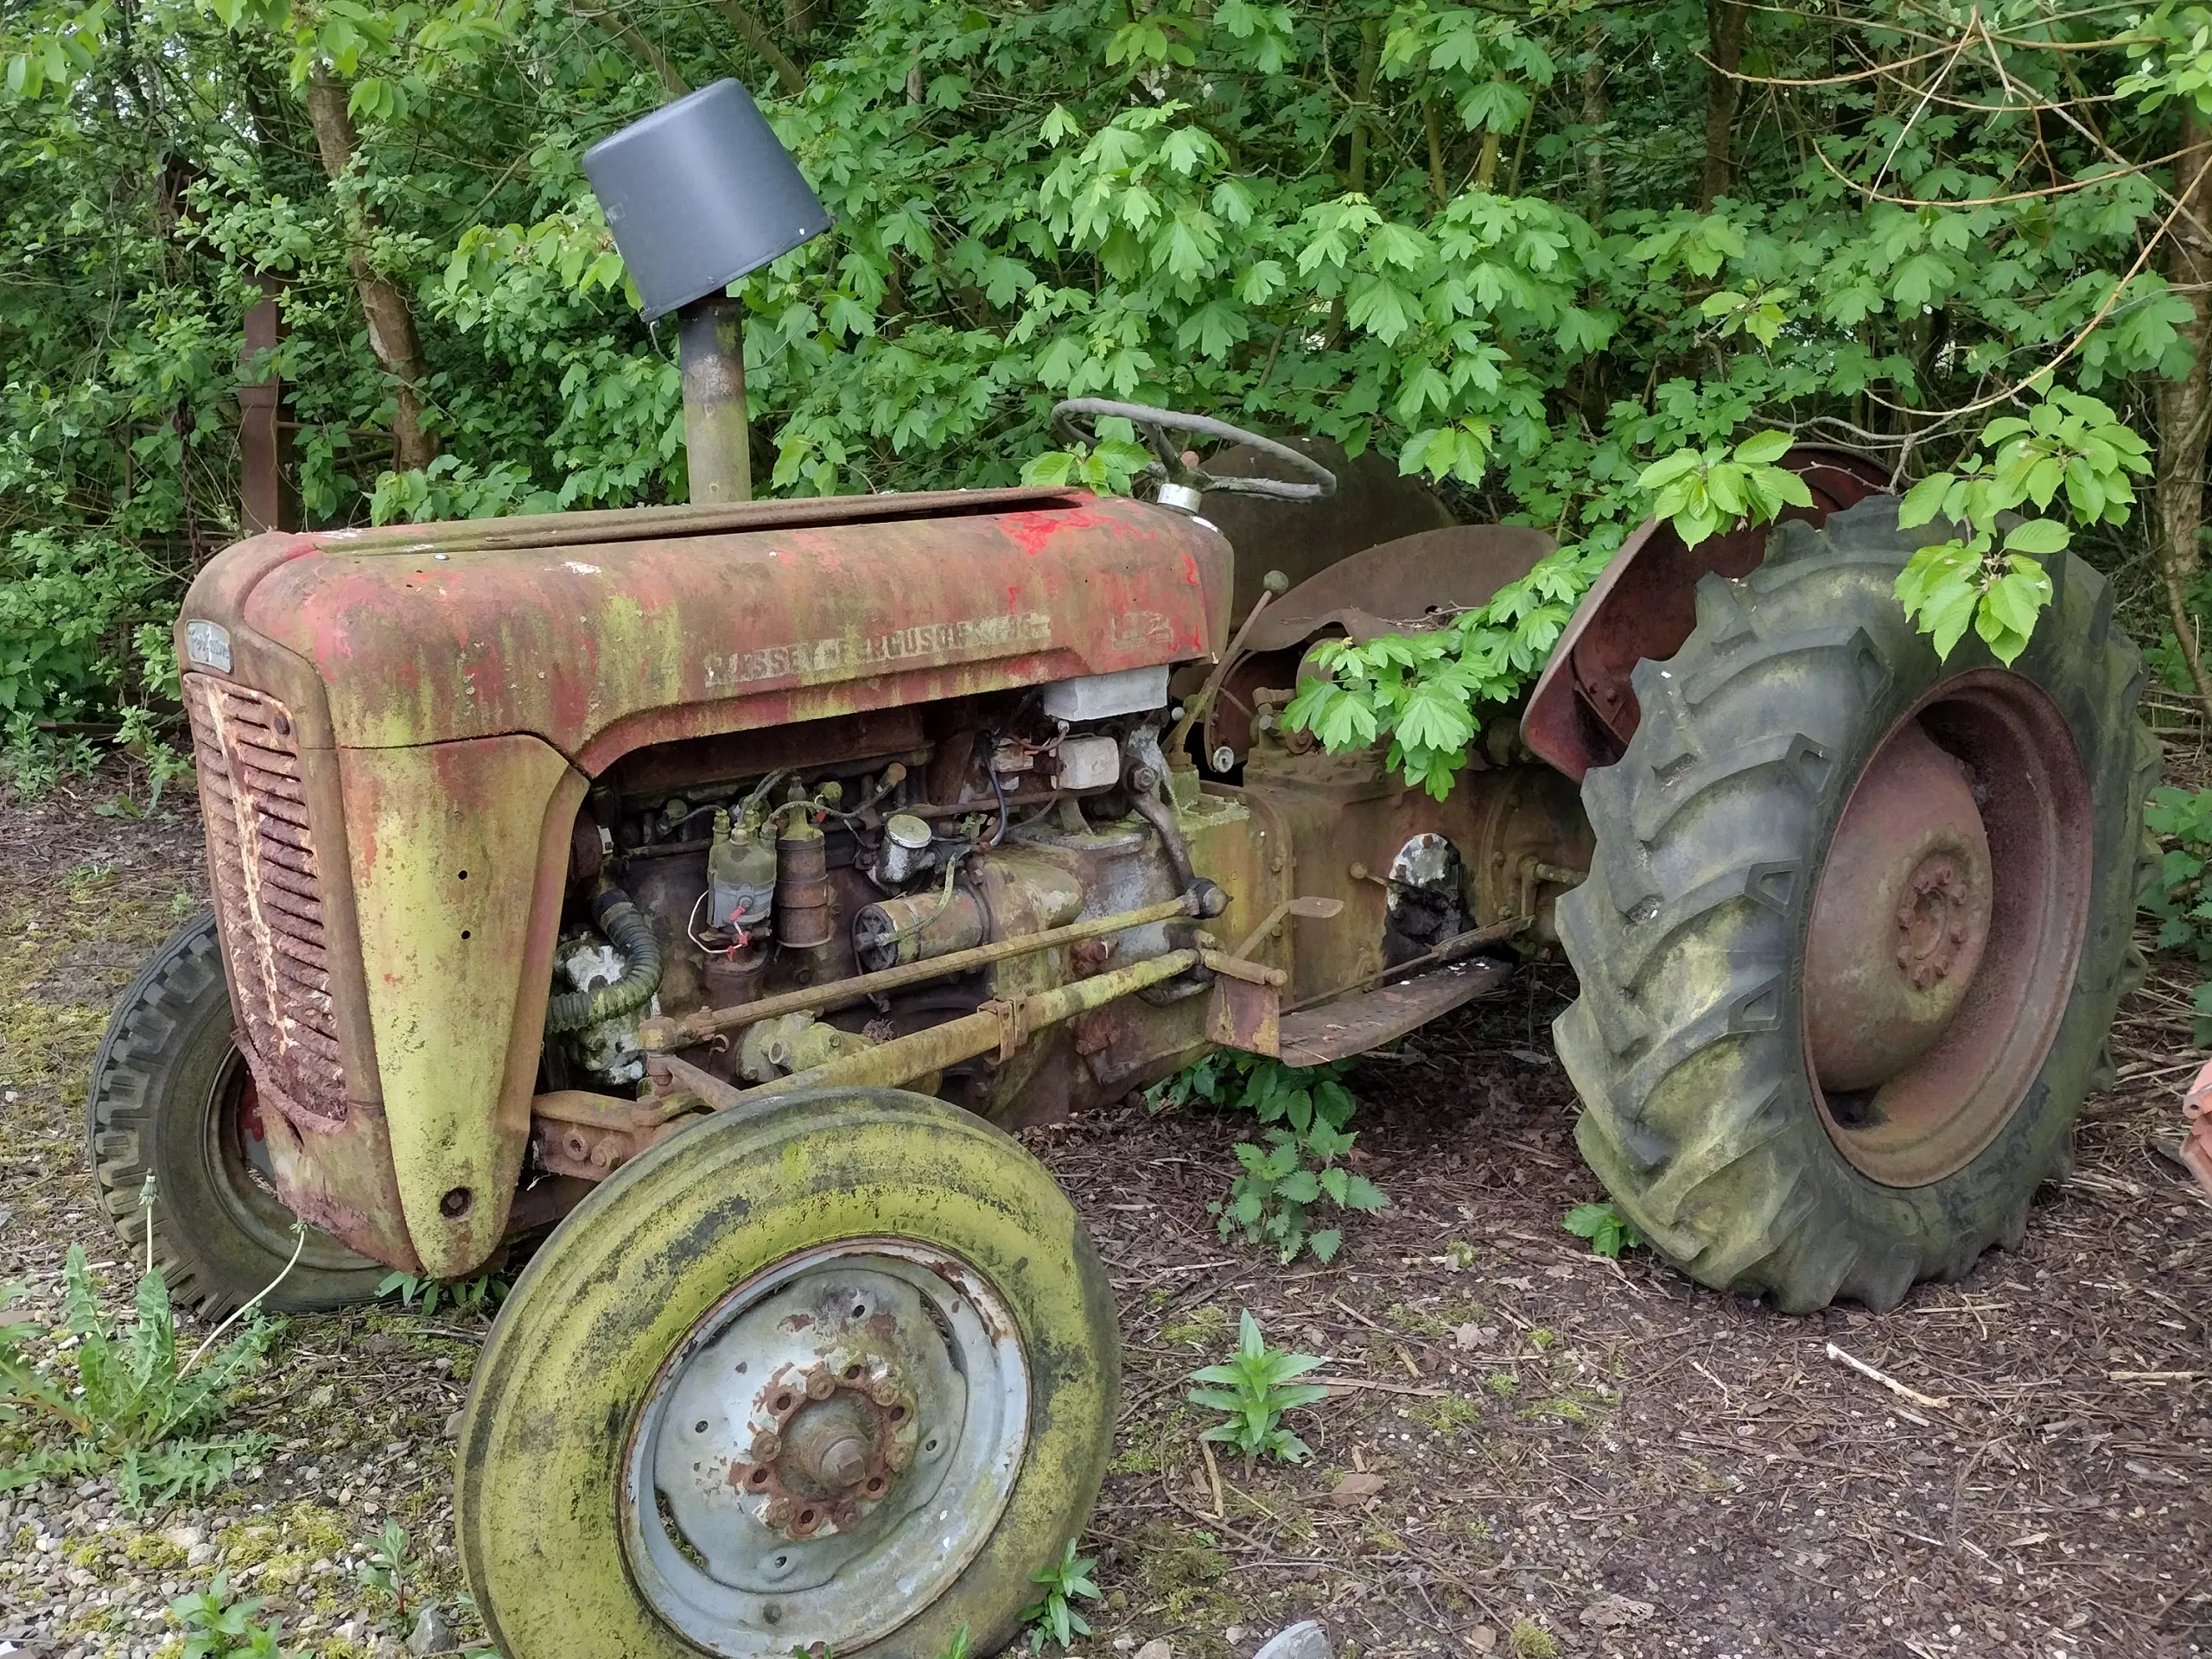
x: 1528, y: 1449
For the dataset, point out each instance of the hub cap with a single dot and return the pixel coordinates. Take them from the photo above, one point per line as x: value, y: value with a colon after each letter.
x: 1902, y: 918
x: 1947, y: 927
x: 826, y: 1450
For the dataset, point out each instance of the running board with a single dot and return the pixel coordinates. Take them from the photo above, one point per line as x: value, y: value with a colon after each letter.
x: 1353, y: 1025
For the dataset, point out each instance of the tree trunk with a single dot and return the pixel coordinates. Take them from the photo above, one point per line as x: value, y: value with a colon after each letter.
x: 1370, y: 44
x: 383, y: 307
x: 1725, y: 21
x: 1595, y: 113
x: 2185, y: 405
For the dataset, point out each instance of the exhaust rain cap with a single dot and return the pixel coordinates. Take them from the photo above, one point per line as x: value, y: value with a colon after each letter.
x: 699, y: 194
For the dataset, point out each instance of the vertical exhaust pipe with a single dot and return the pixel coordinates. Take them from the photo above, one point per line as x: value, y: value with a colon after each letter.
x: 698, y: 194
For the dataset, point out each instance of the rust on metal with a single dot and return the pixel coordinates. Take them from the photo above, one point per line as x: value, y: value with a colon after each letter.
x: 1353, y: 1025
x: 1417, y: 580
x: 590, y: 1136
x: 1374, y: 502
x: 2015, y: 766
x: 1243, y: 1013
x: 267, y: 886
x: 717, y: 451
x: 721, y: 622
x: 844, y: 1429
x: 1902, y: 918
x: 1583, y: 710
x: 1412, y: 582
x: 698, y: 1028
x: 1002, y: 1026
x: 1251, y: 973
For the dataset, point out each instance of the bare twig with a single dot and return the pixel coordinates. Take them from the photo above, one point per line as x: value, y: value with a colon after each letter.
x: 1934, y: 1403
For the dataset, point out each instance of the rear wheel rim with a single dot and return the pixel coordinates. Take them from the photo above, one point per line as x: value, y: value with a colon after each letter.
x: 825, y: 1452
x: 1905, y: 1103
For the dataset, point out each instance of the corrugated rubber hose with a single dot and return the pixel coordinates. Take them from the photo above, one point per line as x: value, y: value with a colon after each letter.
x: 629, y: 931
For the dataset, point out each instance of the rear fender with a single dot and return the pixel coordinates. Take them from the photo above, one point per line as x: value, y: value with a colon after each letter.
x: 1583, y: 711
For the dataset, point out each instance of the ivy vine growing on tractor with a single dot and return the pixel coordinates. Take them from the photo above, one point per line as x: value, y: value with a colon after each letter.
x: 1289, y: 514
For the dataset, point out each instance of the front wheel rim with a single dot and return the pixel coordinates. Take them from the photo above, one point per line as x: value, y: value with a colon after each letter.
x: 234, y: 1149
x: 2017, y: 946
x: 825, y: 1451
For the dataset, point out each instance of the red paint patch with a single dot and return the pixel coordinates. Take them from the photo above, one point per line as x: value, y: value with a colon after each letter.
x: 1030, y: 531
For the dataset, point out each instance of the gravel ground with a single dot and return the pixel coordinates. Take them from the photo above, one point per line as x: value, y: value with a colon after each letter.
x: 1527, y: 1449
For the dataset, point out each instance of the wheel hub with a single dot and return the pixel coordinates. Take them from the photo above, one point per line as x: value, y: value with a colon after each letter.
x: 1946, y: 928
x: 825, y: 1443
x: 837, y: 1432
x: 1903, y: 915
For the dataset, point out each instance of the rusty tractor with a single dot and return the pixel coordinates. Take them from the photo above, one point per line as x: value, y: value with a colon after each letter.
x: 721, y: 878
x: 719, y: 883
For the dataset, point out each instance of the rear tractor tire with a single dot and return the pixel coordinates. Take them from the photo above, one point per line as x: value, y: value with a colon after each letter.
x: 1857, y: 923
x: 172, y: 1099
x: 834, y: 1373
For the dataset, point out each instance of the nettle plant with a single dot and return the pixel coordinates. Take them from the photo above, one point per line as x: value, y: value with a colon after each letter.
x: 2071, y: 453
x: 1281, y: 1183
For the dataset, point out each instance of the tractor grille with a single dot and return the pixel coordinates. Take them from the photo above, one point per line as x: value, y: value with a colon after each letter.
x: 261, y: 856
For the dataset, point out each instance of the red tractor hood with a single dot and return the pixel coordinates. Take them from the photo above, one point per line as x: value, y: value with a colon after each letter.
x: 600, y: 632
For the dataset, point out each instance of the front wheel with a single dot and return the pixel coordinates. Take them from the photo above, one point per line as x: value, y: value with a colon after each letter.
x: 834, y: 1373
x: 172, y: 1100
x: 1857, y: 923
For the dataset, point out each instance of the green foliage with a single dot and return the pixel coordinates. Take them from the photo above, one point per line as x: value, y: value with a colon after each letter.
x: 216, y: 1627
x: 388, y: 1568
x: 2182, y: 819
x: 1424, y: 690
x: 1703, y: 492
x: 1305, y: 1108
x: 958, y: 1648
x: 1053, y: 1616
x: 483, y: 1293
x: 1609, y: 1231
x: 1400, y: 225
x: 107, y: 1394
x: 1256, y: 1388
x: 2070, y: 448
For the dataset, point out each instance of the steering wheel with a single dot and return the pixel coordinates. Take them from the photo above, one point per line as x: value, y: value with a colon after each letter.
x: 1077, y: 419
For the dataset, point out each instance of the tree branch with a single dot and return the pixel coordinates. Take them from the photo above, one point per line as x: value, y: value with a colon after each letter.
x: 754, y: 34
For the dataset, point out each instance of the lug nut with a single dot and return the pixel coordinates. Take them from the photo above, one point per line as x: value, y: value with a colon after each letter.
x: 766, y: 1445
x: 820, y: 1384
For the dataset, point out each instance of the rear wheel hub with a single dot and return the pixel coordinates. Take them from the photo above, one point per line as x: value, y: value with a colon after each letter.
x: 1902, y: 918
x: 1947, y: 927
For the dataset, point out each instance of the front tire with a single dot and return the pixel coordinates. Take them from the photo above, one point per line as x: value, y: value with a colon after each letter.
x: 1824, y: 1055
x: 172, y: 1099
x: 840, y: 1369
